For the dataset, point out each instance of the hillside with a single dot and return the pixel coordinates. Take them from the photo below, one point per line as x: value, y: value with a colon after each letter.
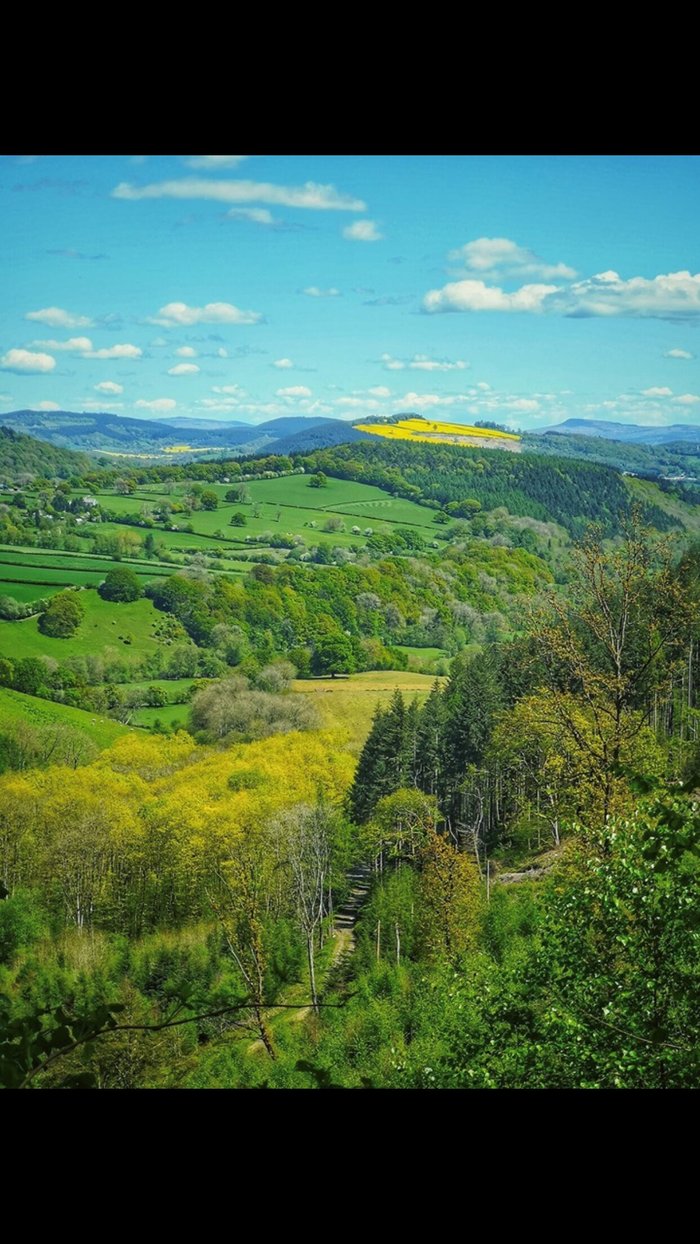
x: 465, y: 480
x: 22, y: 455
x: 628, y: 432
x: 175, y: 440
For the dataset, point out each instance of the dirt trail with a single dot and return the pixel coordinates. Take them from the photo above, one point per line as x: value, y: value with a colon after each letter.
x: 344, y: 937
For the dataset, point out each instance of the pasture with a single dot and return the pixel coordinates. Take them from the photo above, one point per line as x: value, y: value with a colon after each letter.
x: 16, y: 707
x: 348, y: 704
x: 117, y: 630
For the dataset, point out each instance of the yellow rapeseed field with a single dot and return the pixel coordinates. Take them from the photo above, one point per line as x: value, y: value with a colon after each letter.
x: 429, y: 430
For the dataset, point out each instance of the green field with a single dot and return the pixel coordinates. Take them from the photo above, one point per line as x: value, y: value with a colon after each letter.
x: 177, y: 689
x: 171, y: 715
x: 286, y: 506
x: 24, y: 592
x: 16, y: 707
x: 11, y: 576
x: 349, y: 703
x: 422, y: 658
x: 103, y: 629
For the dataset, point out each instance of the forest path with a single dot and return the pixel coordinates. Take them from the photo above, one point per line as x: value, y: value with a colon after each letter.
x: 344, y: 937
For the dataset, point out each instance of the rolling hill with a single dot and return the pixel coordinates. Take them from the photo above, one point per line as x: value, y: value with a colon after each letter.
x: 178, y: 440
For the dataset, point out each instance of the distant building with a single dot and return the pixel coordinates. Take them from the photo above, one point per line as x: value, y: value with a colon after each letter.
x: 90, y: 501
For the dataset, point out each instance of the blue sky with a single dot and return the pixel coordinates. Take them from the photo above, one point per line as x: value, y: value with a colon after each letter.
x: 520, y: 289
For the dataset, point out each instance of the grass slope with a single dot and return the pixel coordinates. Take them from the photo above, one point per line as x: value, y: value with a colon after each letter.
x: 17, y: 707
x: 348, y: 704
x: 104, y: 626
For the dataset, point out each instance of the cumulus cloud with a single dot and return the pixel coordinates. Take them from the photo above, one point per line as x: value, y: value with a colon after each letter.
x: 673, y: 296
x: 500, y: 254
x: 56, y: 317
x: 122, y: 351
x: 25, y: 361
x: 356, y: 403
x: 474, y: 295
x: 657, y: 392
x: 179, y: 314
x: 73, y: 343
x: 183, y: 369
x: 687, y: 399
x: 311, y: 195
x: 158, y: 403
x: 678, y: 354
x: 258, y: 215
x: 295, y: 390
x: 233, y: 390
x: 422, y: 362
x: 313, y: 291
x: 46, y: 406
x: 362, y: 231
x: 380, y: 390
x: 186, y: 352
x: 283, y: 364
x: 214, y: 162
x: 109, y: 386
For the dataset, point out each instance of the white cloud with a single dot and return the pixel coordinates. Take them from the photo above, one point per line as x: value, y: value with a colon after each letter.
x: 313, y: 291
x: 183, y: 369
x: 109, y: 386
x: 295, y: 390
x: 159, y: 341
x: 178, y: 313
x: 186, y: 352
x: 392, y: 364
x: 26, y: 361
x: 56, y: 317
x: 158, y: 403
x: 123, y: 351
x: 283, y: 364
x: 422, y: 362
x: 477, y: 296
x: 357, y: 403
x: 673, y: 296
x: 233, y: 390
x: 214, y: 162
x: 380, y: 390
x: 657, y: 392
x: 258, y: 215
x: 310, y: 195
x: 489, y: 254
x: 678, y: 354
x: 73, y: 343
x: 90, y: 404
x: 362, y: 231
x: 481, y: 384
x: 687, y: 399
x: 222, y: 353
x: 46, y: 406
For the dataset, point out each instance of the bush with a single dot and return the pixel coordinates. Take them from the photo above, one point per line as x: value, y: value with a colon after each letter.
x: 121, y: 585
x: 63, y: 616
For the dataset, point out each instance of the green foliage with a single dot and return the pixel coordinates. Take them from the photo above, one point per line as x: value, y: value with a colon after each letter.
x: 22, y: 921
x: 62, y: 617
x: 121, y: 584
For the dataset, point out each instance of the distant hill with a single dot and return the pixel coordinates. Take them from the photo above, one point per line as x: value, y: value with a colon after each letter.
x: 109, y: 434
x: 209, y: 425
x: 22, y: 455
x: 324, y: 436
x: 626, y: 432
